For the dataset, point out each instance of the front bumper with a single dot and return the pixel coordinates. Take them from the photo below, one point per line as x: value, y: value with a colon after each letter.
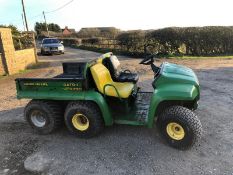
x: 51, y: 50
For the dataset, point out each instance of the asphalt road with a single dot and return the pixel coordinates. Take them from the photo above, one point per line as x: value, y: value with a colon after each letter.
x: 119, y: 149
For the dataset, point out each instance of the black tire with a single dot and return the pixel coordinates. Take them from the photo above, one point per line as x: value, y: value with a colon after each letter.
x: 51, y: 112
x: 189, y: 123
x: 91, y: 112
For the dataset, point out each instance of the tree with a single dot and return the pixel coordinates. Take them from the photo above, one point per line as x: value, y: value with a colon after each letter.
x: 39, y: 27
x: 54, y: 27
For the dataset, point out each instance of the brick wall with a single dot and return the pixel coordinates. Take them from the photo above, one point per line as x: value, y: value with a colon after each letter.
x: 13, y: 61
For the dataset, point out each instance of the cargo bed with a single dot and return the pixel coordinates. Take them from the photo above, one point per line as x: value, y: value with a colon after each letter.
x: 71, y: 82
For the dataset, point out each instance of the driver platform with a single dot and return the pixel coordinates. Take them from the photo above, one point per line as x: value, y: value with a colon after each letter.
x: 138, y: 113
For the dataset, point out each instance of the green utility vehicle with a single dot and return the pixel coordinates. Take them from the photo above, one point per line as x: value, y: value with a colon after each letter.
x: 91, y: 95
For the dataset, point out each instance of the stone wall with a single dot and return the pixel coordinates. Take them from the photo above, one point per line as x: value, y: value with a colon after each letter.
x: 13, y: 61
x: 2, y: 71
x: 24, y: 58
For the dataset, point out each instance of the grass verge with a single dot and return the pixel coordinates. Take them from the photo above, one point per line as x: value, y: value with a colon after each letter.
x: 203, y: 57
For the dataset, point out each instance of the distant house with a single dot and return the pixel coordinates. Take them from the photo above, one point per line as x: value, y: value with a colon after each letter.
x: 67, y: 31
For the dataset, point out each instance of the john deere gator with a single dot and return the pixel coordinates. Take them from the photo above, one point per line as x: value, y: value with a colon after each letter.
x: 91, y: 95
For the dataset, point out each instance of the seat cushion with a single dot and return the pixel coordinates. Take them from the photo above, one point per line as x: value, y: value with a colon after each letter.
x: 102, y: 78
x: 128, y: 77
x: 124, y: 89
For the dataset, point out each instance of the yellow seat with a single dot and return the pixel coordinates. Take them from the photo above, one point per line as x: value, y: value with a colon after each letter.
x: 102, y: 78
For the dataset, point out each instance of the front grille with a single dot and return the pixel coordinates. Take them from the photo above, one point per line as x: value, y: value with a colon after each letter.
x: 53, y: 48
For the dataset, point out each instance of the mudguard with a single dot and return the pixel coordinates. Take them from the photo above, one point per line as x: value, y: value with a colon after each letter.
x: 70, y: 96
x: 181, y: 92
x: 100, y: 101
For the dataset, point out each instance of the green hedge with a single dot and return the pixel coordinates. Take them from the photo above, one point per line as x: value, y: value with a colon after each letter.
x: 174, y: 41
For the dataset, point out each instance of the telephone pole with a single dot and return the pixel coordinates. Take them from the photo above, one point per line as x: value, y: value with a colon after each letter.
x: 23, y: 22
x: 25, y: 18
x: 46, y: 24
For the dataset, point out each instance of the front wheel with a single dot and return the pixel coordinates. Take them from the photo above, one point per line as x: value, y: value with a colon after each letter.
x: 180, y: 127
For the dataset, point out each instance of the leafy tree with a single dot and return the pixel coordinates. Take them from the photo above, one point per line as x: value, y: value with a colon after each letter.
x: 54, y: 27
x: 39, y: 27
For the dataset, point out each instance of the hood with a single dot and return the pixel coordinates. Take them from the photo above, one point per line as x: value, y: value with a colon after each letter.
x: 178, y: 74
x: 52, y: 45
x: 178, y: 69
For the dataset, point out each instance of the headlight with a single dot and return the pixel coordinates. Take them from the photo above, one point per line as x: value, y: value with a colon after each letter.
x: 61, y: 47
x: 45, y: 47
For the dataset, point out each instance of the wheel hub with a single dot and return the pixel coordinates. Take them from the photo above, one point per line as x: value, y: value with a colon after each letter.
x: 38, y: 118
x: 80, y: 122
x: 175, y: 131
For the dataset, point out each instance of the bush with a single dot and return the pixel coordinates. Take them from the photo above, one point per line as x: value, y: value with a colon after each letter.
x: 196, y: 41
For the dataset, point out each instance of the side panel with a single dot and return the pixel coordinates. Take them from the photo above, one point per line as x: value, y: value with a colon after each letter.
x: 101, y: 102
x: 182, y: 92
x: 69, y: 96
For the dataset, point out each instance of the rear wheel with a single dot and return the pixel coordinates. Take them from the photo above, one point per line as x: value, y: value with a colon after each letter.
x: 180, y: 127
x: 83, y: 119
x: 43, y: 116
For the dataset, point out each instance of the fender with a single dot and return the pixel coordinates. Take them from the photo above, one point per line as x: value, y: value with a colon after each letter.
x: 90, y: 95
x: 100, y: 101
x: 179, y: 92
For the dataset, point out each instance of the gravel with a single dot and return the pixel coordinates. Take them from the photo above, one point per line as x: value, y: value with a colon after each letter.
x: 121, y: 149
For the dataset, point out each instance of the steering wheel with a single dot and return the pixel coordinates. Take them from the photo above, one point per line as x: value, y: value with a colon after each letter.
x: 148, y: 60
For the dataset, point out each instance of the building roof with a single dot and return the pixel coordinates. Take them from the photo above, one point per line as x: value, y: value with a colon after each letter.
x: 70, y: 30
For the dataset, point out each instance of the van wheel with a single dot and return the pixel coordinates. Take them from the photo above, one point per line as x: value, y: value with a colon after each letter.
x: 83, y: 119
x: 43, y: 116
x: 180, y: 127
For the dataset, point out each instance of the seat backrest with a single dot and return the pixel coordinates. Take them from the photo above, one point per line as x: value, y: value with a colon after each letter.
x: 115, y: 62
x: 101, y: 76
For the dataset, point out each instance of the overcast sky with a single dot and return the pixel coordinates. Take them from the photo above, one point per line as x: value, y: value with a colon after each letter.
x: 123, y: 14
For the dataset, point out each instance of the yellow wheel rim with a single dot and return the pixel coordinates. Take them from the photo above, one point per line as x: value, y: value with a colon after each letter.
x: 175, y: 131
x: 80, y: 122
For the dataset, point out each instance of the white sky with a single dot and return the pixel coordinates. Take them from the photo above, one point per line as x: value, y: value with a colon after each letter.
x: 123, y: 14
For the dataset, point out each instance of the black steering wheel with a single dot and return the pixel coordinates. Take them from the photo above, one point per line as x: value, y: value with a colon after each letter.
x: 148, y: 60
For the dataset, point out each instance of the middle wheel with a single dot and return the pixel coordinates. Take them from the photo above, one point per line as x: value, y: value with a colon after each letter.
x: 83, y: 119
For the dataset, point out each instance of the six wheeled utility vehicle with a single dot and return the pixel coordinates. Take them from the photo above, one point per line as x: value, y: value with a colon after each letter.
x: 91, y: 95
